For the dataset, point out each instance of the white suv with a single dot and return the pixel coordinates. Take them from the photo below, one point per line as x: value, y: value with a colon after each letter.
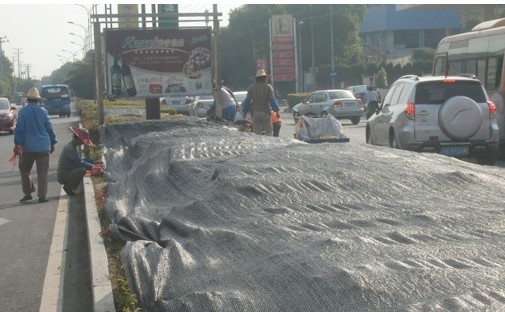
x: 451, y: 115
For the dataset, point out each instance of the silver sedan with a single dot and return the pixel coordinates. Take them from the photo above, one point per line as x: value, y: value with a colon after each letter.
x: 340, y: 103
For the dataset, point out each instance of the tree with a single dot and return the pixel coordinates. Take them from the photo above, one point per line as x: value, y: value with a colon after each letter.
x: 422, y: 55
x: 247, y: 38
x: 382, y: 78
x: 81, y: 79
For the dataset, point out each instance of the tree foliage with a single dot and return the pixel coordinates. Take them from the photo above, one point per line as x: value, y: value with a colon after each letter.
x: 247, y: 38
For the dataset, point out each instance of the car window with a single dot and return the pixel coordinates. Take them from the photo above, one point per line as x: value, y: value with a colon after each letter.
x: 437, y: 92
x: 387, y: 99
x: 311, y: 98
x: 397, y: 93
x: 404, y: 96
x: 320, y: 97
x: 4, y: 104
x: 341, y: 94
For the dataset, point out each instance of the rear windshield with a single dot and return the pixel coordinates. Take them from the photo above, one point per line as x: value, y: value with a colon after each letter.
x: 437, y: 92
x: 341, y: 94
x: 55, y: 92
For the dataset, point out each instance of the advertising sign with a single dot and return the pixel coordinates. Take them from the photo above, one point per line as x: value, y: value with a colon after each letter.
x: 126, y: 21
x: 168, y: 22
x: 158, y: 62
x: 283, y: 48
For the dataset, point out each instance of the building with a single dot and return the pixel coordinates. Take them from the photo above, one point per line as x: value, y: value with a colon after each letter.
x: 390, y: 33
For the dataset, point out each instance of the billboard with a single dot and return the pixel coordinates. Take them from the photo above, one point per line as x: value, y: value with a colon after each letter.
x: 158, y: 62
x: 127, y: 21
x: 283, y: 49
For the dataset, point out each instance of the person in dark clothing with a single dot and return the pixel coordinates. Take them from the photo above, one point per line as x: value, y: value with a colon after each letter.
x: 71, y: 166
x: 260, y: 101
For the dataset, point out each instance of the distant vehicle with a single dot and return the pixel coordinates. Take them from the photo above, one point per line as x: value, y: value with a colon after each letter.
x: 180, y: 104
x: 56, y: 99
x: 479, y: 52
x: 450, y: 115
x: 202, y: 104
x: 240, y: 96
x: 359, y: 91
x: 339, y: 103
x: 8, y: 116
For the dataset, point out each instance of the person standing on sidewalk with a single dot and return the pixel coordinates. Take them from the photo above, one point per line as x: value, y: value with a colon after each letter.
x: 34, y: 140
x: 71, y: 166
x: 260, y: 96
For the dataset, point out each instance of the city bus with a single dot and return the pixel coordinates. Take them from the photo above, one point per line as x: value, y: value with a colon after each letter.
x: 56, y: 99
x: 479, y: 52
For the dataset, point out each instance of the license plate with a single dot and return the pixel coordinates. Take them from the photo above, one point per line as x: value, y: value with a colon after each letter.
x: 454, y: 150
x: 349, y: 104
x: 176, y: 102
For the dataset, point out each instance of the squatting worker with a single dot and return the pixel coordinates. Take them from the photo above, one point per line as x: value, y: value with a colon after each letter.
x: 34, y: 140
x: 71, y: 166
x: 261, y: 101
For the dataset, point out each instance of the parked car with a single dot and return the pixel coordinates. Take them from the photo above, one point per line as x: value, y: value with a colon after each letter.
x: 359, y: 91
x: 451, y: 115
x: 240, y: 96
x: 8, y: 116
x: 342, y: 104
x: 202, y: 104
x: 180, y: 104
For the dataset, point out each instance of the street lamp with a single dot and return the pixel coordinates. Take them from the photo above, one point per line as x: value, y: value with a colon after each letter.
x: 71, y: 53
x: 86, y: 34
x: 300, y: 64
x: 83, y: 39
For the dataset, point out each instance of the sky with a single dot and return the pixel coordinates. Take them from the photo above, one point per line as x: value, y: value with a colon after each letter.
x: 38, y: 35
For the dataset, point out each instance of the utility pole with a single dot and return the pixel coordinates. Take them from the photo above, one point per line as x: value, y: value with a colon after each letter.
x: 2, y: 39
x: 28, y: 70
x: 19, y: 62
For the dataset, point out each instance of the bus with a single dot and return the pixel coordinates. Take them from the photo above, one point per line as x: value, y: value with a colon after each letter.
x: 479, y: 52
x: 56, y: 99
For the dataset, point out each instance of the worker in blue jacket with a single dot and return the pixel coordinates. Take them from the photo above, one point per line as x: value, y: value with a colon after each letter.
x: 34, y: 140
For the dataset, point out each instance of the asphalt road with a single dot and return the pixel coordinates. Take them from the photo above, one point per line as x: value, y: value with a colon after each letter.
x: 356, y: 133
x: 26, y: 231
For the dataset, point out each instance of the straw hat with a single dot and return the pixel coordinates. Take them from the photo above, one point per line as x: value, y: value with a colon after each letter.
x: 33, y: 94
x: 261, y: 73
x: 82, y: 134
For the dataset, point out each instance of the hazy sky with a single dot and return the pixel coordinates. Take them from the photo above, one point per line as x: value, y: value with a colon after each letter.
x: 40, y: 33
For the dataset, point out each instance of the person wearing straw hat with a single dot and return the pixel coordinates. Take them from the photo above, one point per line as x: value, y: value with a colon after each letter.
x: 71, y: 166
x: 260, y: 101
x: 34, y: 140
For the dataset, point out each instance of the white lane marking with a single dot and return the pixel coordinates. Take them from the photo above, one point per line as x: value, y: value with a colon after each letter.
x: 52, y: 293
x: 3, y: 221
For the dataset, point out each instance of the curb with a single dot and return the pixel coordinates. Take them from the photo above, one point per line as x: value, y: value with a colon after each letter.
x: 103, y: 299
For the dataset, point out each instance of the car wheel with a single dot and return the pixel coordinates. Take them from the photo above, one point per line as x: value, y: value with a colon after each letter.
x: 355, y: 120
x: 486, y: 158
x: 393, y: 140
x: 296, y: 116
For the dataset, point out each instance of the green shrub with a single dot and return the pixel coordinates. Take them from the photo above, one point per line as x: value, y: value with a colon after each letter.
x: 295, y: 98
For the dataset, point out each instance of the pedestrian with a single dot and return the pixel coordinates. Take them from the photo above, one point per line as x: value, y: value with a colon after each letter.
x: 276, y: 123
x: 260, y: 101
x: 34, y: 140
x: 372, y: 99
x: 71, y: 166
x: 229, y: 105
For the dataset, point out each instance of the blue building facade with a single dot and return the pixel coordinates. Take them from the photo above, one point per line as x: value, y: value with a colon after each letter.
x: 388, y: 34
